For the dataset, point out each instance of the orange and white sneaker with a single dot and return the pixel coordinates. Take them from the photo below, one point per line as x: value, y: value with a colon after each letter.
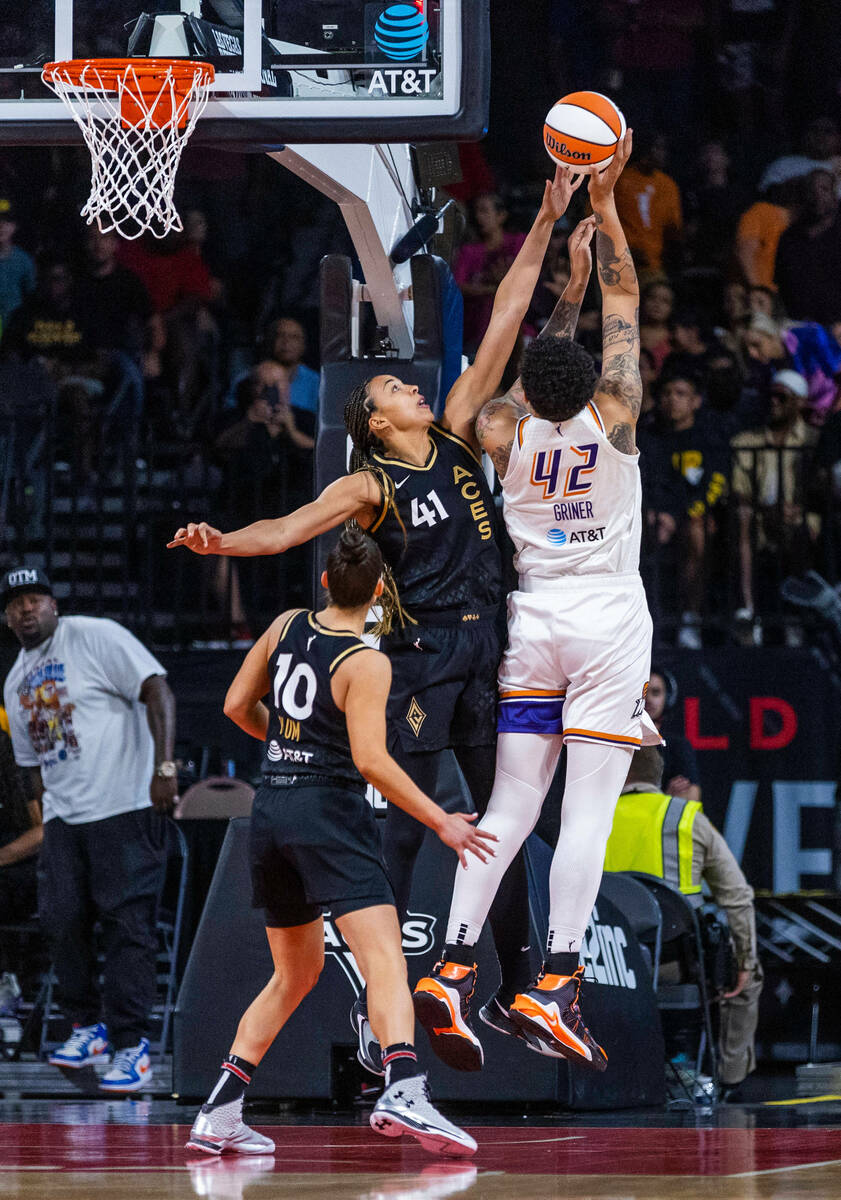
x: 549, y: 1009
x: 442, y: 1005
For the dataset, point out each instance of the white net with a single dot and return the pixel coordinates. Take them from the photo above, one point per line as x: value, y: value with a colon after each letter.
x: 135, y: 123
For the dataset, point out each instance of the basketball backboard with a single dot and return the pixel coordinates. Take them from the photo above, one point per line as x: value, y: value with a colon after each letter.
x: 286, y: 70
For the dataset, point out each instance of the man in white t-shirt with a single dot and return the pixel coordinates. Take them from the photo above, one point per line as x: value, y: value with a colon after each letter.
x: 92, y: 721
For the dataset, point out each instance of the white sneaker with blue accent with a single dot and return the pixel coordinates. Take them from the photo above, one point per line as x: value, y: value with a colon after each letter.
x: 130, y: 1071
x: 87, y: 1044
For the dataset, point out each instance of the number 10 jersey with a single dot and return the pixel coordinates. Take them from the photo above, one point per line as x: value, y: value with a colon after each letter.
x: 572, y: 501
x: 307, y: 734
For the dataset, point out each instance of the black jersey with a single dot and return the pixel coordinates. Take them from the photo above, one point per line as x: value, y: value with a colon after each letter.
x: 307, y: 733
x: 446, y: 555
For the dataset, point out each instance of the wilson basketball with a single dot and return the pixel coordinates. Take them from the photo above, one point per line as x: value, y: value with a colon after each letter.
x: 582, y: 130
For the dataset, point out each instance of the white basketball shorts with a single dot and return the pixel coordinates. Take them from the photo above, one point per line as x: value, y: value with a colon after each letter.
x: 578, y: 660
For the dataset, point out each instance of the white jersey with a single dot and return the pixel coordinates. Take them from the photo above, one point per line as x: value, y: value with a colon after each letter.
x: 572, y: 501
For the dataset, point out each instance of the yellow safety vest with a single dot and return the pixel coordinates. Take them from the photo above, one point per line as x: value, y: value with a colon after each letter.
x: 652, y: 832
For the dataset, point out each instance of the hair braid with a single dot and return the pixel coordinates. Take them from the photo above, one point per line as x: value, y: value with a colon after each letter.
x: 357, y: 417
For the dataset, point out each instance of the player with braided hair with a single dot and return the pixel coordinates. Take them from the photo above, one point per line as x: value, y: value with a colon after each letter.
x: 418, y: 488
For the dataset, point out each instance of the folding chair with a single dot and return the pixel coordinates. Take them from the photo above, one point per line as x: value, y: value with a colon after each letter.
x: 636, y: 902
x: 215, y: 797
x: 681, y: 939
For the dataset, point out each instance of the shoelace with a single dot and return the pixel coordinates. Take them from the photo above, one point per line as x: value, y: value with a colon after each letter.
x: 78, y: 1038
x: 124, y: 1060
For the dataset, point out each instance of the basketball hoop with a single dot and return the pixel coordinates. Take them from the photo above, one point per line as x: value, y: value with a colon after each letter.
x: 135, y: 115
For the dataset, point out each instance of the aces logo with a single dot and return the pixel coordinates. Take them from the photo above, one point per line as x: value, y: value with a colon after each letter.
x: 417, y: 939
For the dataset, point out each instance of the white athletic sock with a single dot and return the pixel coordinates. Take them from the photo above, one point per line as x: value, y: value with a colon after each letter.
x: 525, y: 764
x: 594, y: 779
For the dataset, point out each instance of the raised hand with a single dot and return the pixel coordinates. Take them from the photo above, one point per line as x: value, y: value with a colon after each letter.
x: 558, y: 193
x: 578, y: 249
x: 201, y: 538
x: 603, y: 182
x: 460, y: 835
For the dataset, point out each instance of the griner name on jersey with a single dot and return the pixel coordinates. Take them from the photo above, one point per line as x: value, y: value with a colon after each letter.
x: 575, y: 510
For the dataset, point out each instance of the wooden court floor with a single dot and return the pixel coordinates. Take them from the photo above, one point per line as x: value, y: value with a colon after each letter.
x: 47, y: 1161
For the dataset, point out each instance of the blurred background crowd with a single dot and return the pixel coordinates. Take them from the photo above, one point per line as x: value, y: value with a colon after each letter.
x: 144, y: 382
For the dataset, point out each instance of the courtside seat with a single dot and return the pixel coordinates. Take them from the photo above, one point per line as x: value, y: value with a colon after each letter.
x: 217, y: 797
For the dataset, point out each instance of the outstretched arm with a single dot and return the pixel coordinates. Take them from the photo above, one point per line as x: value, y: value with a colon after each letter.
x: 497, y: 420
x: 513, y: 296
x: 619, y: 391
x: 353, y: 497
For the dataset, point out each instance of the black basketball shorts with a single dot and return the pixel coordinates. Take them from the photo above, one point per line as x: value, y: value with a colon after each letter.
x: 443, y: 685
x: 314, y: 848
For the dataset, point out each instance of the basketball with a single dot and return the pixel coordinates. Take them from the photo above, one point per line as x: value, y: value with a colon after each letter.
x: 582, y: 130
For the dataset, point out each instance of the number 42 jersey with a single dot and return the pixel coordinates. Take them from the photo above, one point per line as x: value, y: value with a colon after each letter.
x: 307, y: 734
x: 572, y: 501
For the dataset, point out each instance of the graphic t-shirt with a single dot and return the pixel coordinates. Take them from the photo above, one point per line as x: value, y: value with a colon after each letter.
x: 74, y: 710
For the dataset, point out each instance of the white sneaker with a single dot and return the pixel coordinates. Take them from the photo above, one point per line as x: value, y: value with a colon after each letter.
x: 130, y: 1071
x: 223, y: 1129
x: 86, y: 1044
x: 405, y: 1107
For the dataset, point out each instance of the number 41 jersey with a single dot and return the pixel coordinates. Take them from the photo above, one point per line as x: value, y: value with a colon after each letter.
x: 572, y: 501
x: 307, y: 733
x: 443, y: 551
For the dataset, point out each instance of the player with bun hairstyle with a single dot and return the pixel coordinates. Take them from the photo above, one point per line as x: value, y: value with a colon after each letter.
x: 579, y: 648
x: 314, y: 845
x: 418, y: 487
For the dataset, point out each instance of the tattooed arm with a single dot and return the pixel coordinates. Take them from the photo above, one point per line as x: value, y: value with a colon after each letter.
x: 618, y: 393
x: 496, y: 427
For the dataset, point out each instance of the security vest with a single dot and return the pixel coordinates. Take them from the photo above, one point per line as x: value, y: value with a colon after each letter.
x: 652, y: 832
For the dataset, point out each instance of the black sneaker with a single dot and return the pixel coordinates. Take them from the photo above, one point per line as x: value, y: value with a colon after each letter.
x: 498, y: 1017
x: 442, y: 1005
x: 370, y: 1052
x: 549, y: 1010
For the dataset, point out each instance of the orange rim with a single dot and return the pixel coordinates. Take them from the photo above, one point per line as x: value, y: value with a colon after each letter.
x: 107, y: 72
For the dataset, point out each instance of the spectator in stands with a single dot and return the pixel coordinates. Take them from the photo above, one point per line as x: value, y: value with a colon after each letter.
x: 184, y: 292
x: 806, y: 348
x: 685, y: 437
x: 772, y: 468
x: 713, y: 204
x: 269, y: 466
x: 656, y: 305
x: 821, y: 152
x: 663, y: 836
x: 694, y: 344
x: 649, y: 207
x: 285, y: 346
x: 758, y: 234
x: 680, y: 762
x: 21, y: 834
x: 92, y: 722
x: 116, y: 303
x: 100, y: 392
x: 808, y: 264
x: 480, y: 265
x: 17, y: 270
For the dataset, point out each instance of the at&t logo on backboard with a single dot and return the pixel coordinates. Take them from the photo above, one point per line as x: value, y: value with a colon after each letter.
x: 401, y: 32
x: 417, y: 939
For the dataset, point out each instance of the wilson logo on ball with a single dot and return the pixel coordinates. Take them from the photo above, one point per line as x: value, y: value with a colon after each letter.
x: 401, y: 32
x: 582, y: 131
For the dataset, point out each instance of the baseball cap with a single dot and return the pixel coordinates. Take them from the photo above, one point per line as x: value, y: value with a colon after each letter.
x: 24, y: 579
x: 792, y: 380
x: 7, y: 209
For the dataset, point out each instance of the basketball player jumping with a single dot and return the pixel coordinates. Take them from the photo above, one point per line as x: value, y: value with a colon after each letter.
x: 419, y: 489
x: 579, y: 648
x: 314, y: 845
